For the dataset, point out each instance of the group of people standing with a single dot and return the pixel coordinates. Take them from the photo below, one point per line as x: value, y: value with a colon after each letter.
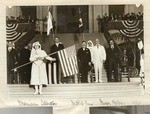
x: 90, y: 55
x: 86, y: 56
x: 35, y: 73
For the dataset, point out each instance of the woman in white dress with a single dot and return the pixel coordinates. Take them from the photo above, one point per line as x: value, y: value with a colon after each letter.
x: 38, y: 71
x: 90, y: 46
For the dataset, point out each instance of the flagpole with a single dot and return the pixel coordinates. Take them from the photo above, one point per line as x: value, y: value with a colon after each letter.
x: 33, y: 61
x: 83, y: 36
x: 53, y: 33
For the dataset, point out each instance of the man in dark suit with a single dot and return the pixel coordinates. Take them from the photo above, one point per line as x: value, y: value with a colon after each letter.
x: 112, y: 60
x: 56, y: 47
x: 84, y: 61
x: 12, y: 61
x: 25, y: 72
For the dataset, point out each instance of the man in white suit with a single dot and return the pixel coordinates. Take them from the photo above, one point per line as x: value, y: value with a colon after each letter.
x: 99, y: 57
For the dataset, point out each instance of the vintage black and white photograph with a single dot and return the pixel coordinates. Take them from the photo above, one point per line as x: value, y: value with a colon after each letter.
x: 136, y: 109
x: 26, y: 110
x: 75, y: 51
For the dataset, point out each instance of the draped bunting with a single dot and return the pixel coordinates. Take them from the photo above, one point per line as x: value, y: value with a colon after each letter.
x: 128, y: 28
x: 11, y: 33
x: 133, y: 29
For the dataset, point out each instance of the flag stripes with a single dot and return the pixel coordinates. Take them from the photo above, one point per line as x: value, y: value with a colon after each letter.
x: 129, y: 25
x: 131, y: 29
x: 68, y: 61
x: 11, y: 33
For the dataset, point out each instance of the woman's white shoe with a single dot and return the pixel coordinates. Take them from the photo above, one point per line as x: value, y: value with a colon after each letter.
x: 35, y: 93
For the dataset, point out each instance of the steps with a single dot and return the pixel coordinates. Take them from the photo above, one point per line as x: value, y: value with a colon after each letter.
x: 91, y: 90
x: 88, y: 90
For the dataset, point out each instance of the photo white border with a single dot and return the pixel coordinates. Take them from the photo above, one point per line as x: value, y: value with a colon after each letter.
x: 66, y: 102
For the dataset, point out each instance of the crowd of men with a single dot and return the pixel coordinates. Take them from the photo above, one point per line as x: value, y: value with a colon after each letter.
x: 40, y: 24
x: 128, y: 16
x: 113, y: 17
x: 20, y: 19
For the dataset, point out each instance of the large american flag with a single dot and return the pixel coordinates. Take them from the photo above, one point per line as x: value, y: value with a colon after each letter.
x: 68, y: 61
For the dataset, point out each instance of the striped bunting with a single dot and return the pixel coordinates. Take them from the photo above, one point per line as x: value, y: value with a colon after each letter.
x: 131, y: 29
x: 68, y: 61
x: 11, y: 33
x: 130, y: 24
x: 130, y: 33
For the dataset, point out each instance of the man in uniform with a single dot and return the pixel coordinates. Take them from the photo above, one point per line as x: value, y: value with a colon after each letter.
x: 99, y: 57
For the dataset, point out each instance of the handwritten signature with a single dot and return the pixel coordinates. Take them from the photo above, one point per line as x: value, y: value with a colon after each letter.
x: 23, y: 103
x: 81, y: 103
x: 48, y: 103
x: 42, y: 103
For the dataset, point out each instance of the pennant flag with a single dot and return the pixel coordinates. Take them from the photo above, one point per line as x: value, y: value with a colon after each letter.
x: 68, y: 61
x: 80, y: 22
x: 49, y: 22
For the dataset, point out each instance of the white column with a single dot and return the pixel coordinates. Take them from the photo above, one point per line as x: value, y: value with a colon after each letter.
x: 14, y: 11
x: 39, y: 12
x: 98, y: 10
x: 54, y: 73
x: 76, y: 78
x: 105, y: 9
x: 50, y: 73
x: 91, y: 24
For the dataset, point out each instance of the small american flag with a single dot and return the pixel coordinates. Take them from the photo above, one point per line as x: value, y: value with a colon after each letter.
x: 68, y: 61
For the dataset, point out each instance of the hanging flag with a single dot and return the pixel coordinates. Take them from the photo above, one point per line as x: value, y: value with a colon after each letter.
x: 80, y: 22
x: 49, y: 22
x: 68, y: 61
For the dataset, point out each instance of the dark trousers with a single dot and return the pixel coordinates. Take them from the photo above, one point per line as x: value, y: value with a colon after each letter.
x: 113, y: 66
x: 25, y: 74
x: 11, y: 77
x: 84, y: 74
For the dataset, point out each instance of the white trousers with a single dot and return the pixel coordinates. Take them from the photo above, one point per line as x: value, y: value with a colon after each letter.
x: 98, y: 71
x: 142, y: 67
